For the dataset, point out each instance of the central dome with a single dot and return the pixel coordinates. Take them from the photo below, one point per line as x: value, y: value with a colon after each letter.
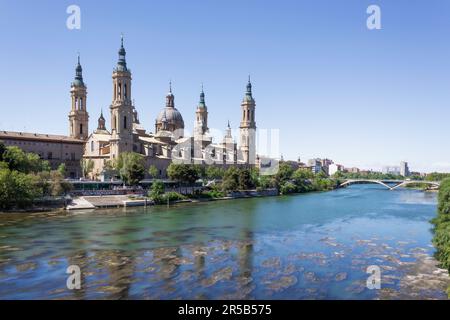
x: 172, y: 116
x: 169, y: 118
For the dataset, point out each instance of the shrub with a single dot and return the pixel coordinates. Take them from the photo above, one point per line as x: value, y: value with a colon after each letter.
x: 288, y: 187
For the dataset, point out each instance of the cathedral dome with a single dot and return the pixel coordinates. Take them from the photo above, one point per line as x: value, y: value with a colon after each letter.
x: 171, y: 116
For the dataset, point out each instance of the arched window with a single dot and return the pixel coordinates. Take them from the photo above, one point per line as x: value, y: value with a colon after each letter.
x: 120, y: 90
x: 92, y: 146
x: 125, y: 90
x: 81, y: 128
x: 125, y: 122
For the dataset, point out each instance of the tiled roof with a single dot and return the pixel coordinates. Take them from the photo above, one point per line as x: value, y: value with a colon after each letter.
x: 37, y: 137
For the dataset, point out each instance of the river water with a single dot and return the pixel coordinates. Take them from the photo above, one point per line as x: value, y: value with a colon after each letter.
x: 310, y: 246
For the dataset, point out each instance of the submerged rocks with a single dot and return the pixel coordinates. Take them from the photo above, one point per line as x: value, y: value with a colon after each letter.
x: 283, y: 283
x: 222, y: 274
x: 340, y: 276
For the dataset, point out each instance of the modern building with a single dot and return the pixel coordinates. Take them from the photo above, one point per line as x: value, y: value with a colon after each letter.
x: 395, y: 170
x: 404, y: 169
x: 315, y: 165
x: 333, y: 168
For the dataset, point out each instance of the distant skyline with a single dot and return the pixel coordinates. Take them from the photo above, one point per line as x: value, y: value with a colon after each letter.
x: 334, y: 89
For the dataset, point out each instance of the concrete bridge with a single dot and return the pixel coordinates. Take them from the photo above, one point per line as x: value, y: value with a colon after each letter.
x: 391, y: 184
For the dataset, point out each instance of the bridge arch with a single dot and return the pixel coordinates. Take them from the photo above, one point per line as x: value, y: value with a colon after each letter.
x: 363, y: 181
x: 405, y: 183
x: 398, y: 183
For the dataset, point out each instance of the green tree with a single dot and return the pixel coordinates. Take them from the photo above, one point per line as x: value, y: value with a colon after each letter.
x: 58, y: 186
x: 184, y: 173
x: 131, y: 167
x: 2, y: 150
x: 24, y: 162
x: 156, y: 190
x: 302, y: 174
x: 213, y: 172
x: 17, y: 189
x: 16, y: 159
x: 62, y: 169
x: 153, y: 171
x: 288, y: 187
x: 230, y: 180
x: 245, y: 181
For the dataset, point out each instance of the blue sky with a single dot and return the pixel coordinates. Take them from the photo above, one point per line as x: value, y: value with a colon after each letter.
x: 332, y: 87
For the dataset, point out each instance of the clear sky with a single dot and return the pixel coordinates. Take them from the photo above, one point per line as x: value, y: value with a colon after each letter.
x: 332, y: 87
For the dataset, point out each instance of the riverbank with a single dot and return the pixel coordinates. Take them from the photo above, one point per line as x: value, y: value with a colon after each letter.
x: 117, y: 201
x: 441, y: 239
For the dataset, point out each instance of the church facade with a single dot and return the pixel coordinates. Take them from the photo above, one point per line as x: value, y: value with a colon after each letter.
x: 167, y: 143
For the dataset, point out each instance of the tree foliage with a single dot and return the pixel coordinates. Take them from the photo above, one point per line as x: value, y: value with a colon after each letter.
x: 153, y: 171
x: 184, y: 173
x: 17, y: 189
x: 24, y: 162
x: 131, y: 167
x: 441, y: 239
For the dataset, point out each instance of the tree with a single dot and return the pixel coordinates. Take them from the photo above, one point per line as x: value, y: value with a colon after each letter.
x: 230, y: 180
x: 184, y: 173
x: 2, y: 150
x: 58, y: 186
x: 16, y: 159
x: 62, y: 169
x: 17, y: 189
x: 24, y: 162
x: 245, y: 181
x: 87, y: 165
x: 131, y: 167
x: 213, y: 172
x: 157, y: 189
x: 288, y: 187
x: 201, y: 171
x: 444, y: 198
x: 302, y: 174
x: 153, y: 171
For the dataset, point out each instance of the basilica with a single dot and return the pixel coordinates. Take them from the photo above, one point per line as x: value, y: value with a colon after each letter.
x: 168, y: 142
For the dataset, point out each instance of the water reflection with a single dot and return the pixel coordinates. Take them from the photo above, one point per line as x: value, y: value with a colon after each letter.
x: 314, y: 246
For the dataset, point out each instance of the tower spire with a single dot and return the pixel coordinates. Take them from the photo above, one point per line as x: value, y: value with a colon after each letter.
x: 201, y: 103
x: 78, y: 73
x: 170, y: 103
x: 122, y: 63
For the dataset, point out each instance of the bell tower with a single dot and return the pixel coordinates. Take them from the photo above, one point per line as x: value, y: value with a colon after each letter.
x: 201, y: 116
x: 78, y: 115
x: 247, y: 127
x: 121, y: 108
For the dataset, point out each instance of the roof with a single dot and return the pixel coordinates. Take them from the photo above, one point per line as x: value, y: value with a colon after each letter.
x: 38, y: 137
x: 101, y: 136
x: 151, y: 140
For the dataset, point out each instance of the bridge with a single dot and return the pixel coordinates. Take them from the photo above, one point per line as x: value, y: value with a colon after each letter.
x: 391, y: 184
